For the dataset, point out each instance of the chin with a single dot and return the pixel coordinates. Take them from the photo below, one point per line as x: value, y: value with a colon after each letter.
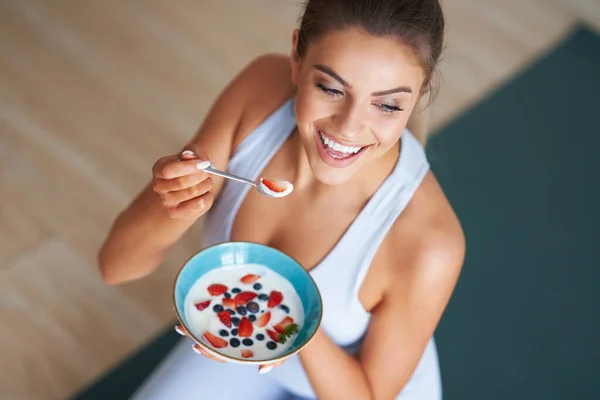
x: 329, y: 176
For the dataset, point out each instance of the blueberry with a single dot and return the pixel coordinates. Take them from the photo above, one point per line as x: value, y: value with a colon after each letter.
x: 271, y: 345
x: 231, y: 312
x: 223, y: 333
x: 218, y: 308
x: 235, y: 321
x: 263, y: 297
x: 252, y: 307
x: 236, y: 290
x: 227, y: 295
x: 285, y: 308
x: 241, y: 310
x: 234, y: 332
x: 247, y: 342
x: 257, y: 286
x: 234, y: 342
x: 252, y: 318
x: 260, y: 336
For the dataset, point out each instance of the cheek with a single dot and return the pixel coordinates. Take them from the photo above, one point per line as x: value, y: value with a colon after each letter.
x: 388, y: 136
x: 310, y: 107
x: 388, y: 129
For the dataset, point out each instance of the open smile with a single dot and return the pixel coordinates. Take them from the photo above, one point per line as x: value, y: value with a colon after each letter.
x: 337, y: 154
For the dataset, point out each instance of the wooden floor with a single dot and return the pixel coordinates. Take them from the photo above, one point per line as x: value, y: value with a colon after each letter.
x: 93, y: 92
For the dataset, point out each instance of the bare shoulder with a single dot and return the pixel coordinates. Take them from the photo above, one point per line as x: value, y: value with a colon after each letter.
x: 254, y: 93
x: 268, y: 85
x: 427, y: 242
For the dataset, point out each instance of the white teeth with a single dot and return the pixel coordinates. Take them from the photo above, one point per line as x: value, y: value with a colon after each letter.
x: 337, y: 146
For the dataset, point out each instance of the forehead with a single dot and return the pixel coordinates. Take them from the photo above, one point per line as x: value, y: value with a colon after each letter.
x: 361, y: 58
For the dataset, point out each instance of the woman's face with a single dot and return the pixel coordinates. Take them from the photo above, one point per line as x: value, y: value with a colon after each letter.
x: 355, y: 93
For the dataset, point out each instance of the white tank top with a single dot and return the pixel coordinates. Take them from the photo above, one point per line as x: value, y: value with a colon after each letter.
x: 340, y: 274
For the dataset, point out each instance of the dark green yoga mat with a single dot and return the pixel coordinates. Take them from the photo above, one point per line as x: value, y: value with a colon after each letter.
x: 521, y: 170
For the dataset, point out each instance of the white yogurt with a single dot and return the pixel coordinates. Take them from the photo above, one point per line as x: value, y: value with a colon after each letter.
x: 285, y: 184
x: 200, y: 322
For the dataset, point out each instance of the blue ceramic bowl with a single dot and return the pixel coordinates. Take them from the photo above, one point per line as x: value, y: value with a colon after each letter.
x: 236, y: 253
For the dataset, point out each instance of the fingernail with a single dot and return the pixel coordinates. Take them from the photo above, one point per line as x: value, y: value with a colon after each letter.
x: 187, y: 153
x: 203, y: 165
x: 265, y: 369
x: 197, y: 350
x: 179, y: 330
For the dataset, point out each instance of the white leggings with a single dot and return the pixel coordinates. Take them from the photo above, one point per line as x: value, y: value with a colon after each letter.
x: 185, y: 375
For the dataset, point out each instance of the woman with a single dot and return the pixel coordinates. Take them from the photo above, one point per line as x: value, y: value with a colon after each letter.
x: 366, y: 213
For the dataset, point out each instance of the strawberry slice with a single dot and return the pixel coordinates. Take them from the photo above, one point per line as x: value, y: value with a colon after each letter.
x: 203, y: 305
x: 214, y: 340
x: 273, y: 335
x: 275, y: 299
x: 263, y: 319
x: 247, y: 353
x: 245, y: 328
x: 250, y: 278
x: 273, y: 185
x: 229, y: 303
x: 244, y: 297
x: 280, y: 327
x: 217, y: 289
x: 225, y: 318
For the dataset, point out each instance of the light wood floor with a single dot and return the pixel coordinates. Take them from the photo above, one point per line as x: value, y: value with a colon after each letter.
x: 93, y: 92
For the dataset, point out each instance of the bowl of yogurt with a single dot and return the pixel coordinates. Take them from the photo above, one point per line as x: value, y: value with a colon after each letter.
x: 247, y: 303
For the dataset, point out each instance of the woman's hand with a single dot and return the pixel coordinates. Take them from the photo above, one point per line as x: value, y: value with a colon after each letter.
x: 262, y: 369
x: 184, y: 188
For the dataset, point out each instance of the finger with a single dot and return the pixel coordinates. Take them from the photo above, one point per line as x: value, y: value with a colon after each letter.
x: 187, y: 155
x: 181, y: 330
x: 173, y: 199
x: 196, y: 150
x: 265, y: 368
x: 194, y: 207
x: 169, y: 168
x: 205, y: 353
x: 160, y: 185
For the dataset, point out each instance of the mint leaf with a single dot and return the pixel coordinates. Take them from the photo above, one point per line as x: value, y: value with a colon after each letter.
x: 290, y: 329
x: 287, y: 332
x: 282, y: 338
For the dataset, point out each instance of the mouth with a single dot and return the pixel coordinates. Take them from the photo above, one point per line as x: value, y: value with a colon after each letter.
x: 337, y: 154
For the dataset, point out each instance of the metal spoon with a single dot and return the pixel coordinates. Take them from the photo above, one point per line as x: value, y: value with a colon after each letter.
x: 282, y: 188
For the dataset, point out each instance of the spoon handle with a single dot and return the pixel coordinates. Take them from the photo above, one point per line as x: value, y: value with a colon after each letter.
x: 230, y: 176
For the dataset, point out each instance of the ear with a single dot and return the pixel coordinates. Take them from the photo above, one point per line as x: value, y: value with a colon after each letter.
x: 295, y: 58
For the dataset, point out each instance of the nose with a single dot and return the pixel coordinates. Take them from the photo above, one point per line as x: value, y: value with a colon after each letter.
x: 348, y: 120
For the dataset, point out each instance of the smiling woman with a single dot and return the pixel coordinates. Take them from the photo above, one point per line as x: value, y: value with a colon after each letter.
x: 354, y: 90
x: 366, y: 216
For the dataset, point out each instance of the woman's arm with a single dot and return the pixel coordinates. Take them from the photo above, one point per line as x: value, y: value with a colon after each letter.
x: 420, y: 285
x: 145, y: 231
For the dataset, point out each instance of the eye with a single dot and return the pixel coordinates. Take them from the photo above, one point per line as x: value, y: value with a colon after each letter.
x: 387, y: 109
x: 328, y: 91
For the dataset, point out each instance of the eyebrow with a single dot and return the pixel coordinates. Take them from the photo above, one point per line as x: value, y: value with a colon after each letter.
x: 327, y: 70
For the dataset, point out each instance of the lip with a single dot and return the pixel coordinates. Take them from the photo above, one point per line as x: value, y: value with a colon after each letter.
x: 334, y: 162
